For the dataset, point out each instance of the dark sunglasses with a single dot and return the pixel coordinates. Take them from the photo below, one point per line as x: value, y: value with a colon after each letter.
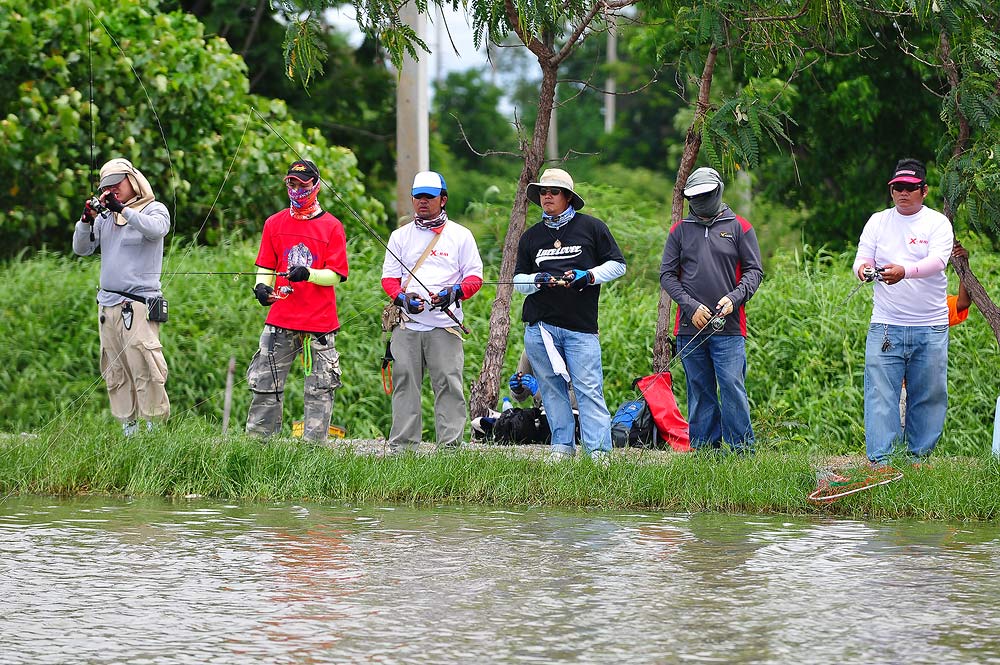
x: 424, y: 196
x: 554, y: 191
x: 907, y: 186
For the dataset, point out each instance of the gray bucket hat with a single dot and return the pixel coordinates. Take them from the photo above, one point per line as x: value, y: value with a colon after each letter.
x: 555, y: 178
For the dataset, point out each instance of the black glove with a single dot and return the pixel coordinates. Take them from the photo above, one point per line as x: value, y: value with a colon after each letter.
x: 298, y: 274
x: 89, y: 214
x: 263, y: 294
x: 544, y: 280
x: 112, y: 203
x: 579, y: 279
x: 411, y: 302
x: 447, y: 297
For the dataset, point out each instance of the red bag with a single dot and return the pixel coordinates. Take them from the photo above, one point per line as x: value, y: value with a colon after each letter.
x: 658, y: 391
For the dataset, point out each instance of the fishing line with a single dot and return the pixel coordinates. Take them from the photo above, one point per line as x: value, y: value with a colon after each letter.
x: 156, y: 116
x: 93, y: 386
x: 365, y: 224
x: 211, y: 209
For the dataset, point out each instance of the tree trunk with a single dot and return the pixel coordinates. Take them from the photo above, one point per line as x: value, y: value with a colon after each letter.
x: 976, y: 291
x: 692, y: 145
x: 486, y: 390
x: 978, y: 294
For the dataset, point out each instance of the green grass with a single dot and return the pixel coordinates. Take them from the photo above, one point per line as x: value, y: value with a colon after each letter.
x: 184, y: 459
x: 805, y: 347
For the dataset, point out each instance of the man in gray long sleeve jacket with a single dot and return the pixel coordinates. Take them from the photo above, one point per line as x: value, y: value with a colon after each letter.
x: 711, y: 268
x: 129, y: 227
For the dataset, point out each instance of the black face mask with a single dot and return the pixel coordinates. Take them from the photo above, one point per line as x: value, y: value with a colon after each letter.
x: 707, y: 206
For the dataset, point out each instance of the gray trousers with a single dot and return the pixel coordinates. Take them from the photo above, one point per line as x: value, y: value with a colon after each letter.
x: 439, y: 353
x: 266, y: 377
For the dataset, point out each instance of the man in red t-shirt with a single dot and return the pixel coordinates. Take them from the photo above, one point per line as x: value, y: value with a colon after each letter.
x: 303, y: 253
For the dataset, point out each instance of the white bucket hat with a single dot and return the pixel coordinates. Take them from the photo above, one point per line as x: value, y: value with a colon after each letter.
x: 555, y: 178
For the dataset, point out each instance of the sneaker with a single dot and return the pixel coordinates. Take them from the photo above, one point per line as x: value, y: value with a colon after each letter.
x: 601, y: 458
x: 558, y: 456
x: 130, y: 428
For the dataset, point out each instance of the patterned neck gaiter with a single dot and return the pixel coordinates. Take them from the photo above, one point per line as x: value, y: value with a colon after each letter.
x: 431, y: 224
x: 305, y: 202
x: 560, y: 220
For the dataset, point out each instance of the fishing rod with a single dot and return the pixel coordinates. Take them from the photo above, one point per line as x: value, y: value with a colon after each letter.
x: 90, y: 118
x: 366, y: 226
x: 717, y: 322
x: 555, y: 281
x: 216, y: 272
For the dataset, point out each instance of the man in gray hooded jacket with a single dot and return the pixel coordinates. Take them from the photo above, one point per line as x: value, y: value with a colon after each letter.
x: 711, y: 268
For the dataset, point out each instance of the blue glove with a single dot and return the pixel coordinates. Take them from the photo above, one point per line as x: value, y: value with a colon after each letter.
x: 515, y: 382
x: 519, y: 382
x: 411, y: 302
x: 448, y: 296
x: 298, y: 274
x: 543, y: 280
x: 580, y: 278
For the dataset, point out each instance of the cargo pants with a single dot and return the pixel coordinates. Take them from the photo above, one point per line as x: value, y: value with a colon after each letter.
x: 266, y: 378
x: 132, y: 362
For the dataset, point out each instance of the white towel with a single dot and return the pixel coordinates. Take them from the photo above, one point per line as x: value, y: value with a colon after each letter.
x: 556, y: 360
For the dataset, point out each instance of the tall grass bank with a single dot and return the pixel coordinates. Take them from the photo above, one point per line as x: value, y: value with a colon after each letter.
x: 805, y: 346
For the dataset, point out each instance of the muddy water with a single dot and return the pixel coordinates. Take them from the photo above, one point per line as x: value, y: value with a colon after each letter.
x: 103, y: 581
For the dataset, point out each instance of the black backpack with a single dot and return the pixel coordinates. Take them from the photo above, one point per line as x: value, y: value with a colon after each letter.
x: 522, y: 426
x: 632, y: 426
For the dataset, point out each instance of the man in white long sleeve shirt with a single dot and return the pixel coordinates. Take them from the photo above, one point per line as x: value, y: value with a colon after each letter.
x: 908, y: 247
x: 129, y: 230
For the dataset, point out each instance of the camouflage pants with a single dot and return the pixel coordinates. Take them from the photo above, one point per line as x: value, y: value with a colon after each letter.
x: 266, y: 377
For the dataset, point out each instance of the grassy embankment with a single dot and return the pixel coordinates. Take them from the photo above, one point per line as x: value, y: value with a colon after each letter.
x: 188, y: 461
x: 806, y: 359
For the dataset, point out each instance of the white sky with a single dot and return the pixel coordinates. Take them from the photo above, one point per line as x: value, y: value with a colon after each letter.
x: 443, y: 58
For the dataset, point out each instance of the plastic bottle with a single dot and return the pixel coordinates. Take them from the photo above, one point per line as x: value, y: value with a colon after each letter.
x: 996, y: 430
x: 506, y: 404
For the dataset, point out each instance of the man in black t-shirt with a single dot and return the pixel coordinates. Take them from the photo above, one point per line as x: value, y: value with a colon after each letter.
x: 561, y: 264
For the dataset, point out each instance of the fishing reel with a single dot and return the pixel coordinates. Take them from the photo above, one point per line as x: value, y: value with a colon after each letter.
x: 872, y: 273
x: 95, y: 204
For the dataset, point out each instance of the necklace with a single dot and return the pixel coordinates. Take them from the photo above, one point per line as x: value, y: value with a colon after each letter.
x: 555, y: 239
x: 557, y: 223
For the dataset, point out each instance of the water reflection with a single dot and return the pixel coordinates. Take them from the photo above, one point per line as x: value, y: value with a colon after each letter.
x: 94, y: 580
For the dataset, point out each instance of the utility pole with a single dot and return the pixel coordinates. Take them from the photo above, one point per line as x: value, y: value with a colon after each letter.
x: 552, y: 141
x: 412, y: 108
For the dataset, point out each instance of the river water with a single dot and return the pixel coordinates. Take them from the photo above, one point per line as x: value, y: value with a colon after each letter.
x: 97, y: 580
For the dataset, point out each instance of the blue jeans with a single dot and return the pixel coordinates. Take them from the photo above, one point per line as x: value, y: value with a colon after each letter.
x: 582, y: 353
x: 918, y: 354
x: 718, y: 409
